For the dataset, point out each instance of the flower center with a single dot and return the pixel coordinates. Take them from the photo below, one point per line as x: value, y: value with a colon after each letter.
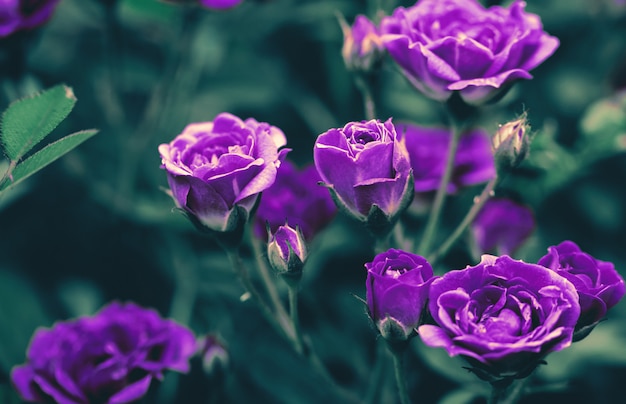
x: 395, y: 272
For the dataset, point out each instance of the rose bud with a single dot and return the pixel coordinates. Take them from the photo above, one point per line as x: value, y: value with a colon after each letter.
x: 598, y: 284
x: 397, y: 289
x: 503, y: 316
x: 217, y: 170
x: 511, y: 142
x: 502, y: 226
x: 449, y: 45
x: 366, y: 167
x: 287, y: 252
x: 362, y: 49
x: 214, y: 354
x: 111, y: 357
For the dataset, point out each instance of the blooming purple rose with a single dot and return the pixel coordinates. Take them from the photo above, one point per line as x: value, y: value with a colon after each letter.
x: 362, y: 47
x: 599, y: 285
x: 504, y: 316
x: 397, y: 289
x: 214, y: 167
x: 502, y: 226
x: 458, y: 45
x: 428, y: 150
x: 110, y: 357
x: 366, y: 167
x: 296, y: 199
x: 17, y: 15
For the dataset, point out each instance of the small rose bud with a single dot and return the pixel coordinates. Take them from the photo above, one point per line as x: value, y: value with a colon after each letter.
x: 511, y: 142
x: 214, y: 354
x: 362, y: 49
x: 287, y: 252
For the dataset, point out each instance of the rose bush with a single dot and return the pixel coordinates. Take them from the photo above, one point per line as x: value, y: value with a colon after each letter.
x: 366, y: 167
x: 504, y: 316
x: 599, y: 285
x: 396, y: 291
x: 451, y: 45
x: 215, y: 167
x: 110, y: 357
x: 428, y: 148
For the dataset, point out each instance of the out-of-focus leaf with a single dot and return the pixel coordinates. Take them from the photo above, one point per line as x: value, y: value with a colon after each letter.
x: 28, y: 121
x: 46, y: 156
x: 604, y: 127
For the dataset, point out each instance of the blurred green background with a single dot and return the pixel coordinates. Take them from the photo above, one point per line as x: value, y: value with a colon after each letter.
x: 97, y: 226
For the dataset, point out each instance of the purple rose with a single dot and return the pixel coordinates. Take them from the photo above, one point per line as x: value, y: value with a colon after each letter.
x: 366, y: 167
x: 458, y: 45
x: 428, y: 150
x: 16, y: 15
x: 362, y: 47
x: 110, y: 357
x: 599, y: 285
x: 220, y: 4
x: 295, y: 198
x: 504, y: 316
x: 397, y: 289
x: 502, y: 226
x: 213, y: 167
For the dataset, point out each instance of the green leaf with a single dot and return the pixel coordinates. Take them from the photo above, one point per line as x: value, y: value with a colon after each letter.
x: 28, y: 121
x: 46, y: 156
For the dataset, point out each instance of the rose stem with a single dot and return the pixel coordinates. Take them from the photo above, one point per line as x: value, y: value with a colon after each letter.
x: 295, y: 321
x: 507, y: 393
x: 244, y: 277
x: 373, y: 388
x: 365, y: 88
x: 479, y: 202
x: 442, y: 191
x: 400, y: 380
x: 281, y: 313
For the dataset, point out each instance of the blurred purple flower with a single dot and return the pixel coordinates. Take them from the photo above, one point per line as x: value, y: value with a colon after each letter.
x: 599, y: 285
x: 110, y: 357
x: 296, y: 199
x: 213, y: 167
x: 458, y: 45
x: 366, y: 167
x: 504, y: 316
x: 17, y: 15
x: 502, y: 226
x: 220, y: 4
x: 428, y: 149
x: 397, y: 289
x: 362, y: 47
x: 214, y: 353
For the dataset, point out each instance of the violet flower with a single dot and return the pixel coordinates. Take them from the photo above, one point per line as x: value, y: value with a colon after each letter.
x: 502, y: 226
x: 503, y: 316
x: 111, y: 357
x: 216, y: 170
x: 457, y: 45
x: 428, y: 149
x: 362, y: 47
x: 296, y: 199
x: 366, y: 167
x: 598, y: 284
x: 397, y: 290
x: 17, y: 15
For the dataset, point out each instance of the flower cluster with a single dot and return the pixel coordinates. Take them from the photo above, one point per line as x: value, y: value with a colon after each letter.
x: 111, y: 357
x: 18, y: 15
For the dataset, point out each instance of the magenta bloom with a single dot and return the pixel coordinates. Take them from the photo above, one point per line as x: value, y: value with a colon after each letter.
x: 17, y: 15
x: 296, y: 199
x: 366, y: 167
x: 599, y: 285
x: 397, y: 290
x: 428, y: 149
x: 213, y: 167
x: 458, y: 45
x: 220, y: 4
x: 362, y: 47
x: 502, y: 226
x: 504, y: 316
x: 110, y: 357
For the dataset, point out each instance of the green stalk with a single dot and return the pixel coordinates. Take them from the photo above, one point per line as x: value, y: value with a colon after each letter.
x: 365, y: 88
x: 398, y: 362
x: 479, y: 202
x: 507, y: 392
x: 295, y: 320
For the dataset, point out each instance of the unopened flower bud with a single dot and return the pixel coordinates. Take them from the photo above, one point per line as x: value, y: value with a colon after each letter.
x: 287, y: 252
x: 362, y: 49
x: 511, y: 142
x: 214, y: 354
